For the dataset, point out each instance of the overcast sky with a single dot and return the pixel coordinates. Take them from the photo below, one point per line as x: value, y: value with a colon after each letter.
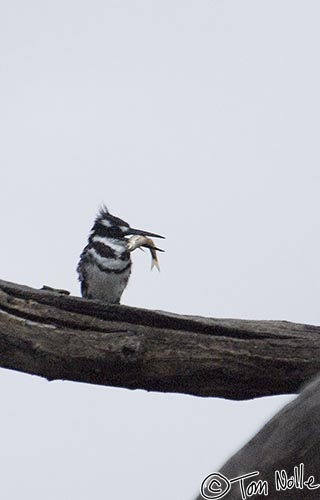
x: 196, y: 120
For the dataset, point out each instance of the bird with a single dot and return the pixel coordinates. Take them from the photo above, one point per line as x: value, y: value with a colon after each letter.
x: 105, y: 263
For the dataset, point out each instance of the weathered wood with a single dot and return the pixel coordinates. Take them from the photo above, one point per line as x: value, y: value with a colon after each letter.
x: 64, y: 337
x: 289, y: 439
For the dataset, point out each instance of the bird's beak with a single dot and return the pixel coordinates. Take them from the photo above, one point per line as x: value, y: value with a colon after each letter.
x: 131, y: 230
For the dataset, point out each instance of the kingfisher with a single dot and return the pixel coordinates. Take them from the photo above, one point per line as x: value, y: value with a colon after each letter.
x: 105, y: 262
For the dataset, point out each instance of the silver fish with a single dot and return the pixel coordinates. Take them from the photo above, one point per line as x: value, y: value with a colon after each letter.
x: 139, y: 241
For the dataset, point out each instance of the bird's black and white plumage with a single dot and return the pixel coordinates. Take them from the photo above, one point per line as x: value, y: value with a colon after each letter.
x: 105, y: 263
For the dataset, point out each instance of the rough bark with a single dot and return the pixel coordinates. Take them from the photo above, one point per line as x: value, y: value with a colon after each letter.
x: 63, y: 337
x: 289, y: 439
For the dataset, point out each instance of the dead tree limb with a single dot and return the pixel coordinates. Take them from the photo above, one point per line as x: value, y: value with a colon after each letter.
x: 62, y: 337
x: 289, y: 439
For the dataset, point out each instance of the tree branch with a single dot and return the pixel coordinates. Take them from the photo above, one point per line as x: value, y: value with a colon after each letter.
x: 61, y: 337
x: 290, y: 438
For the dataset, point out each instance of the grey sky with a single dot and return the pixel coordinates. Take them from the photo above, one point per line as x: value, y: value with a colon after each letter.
x: 196, y: 120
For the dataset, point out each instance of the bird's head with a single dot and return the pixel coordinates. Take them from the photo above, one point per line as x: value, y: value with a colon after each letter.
x: 112, y: 227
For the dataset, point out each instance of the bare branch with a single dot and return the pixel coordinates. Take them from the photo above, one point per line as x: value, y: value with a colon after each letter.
x: 61, y: 337
x: 289, y: 439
